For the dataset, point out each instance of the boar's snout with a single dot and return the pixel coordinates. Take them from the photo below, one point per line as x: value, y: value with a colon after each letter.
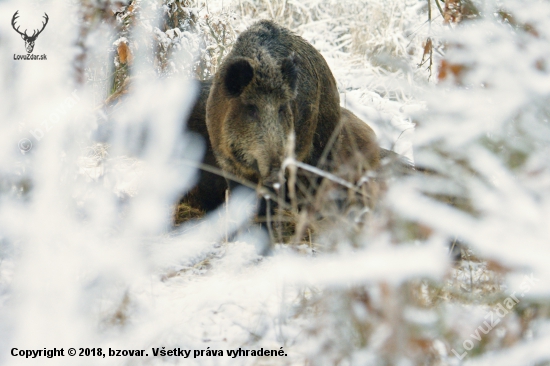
x: 269, y: 156
x: 271, y: 180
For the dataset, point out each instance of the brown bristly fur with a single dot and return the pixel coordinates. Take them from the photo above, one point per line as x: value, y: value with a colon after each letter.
x: 271, y: 83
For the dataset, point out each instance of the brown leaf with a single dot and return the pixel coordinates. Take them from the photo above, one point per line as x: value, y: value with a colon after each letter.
x: 124, y: 53
x: 427, y: 47
x: 447, y: 70
x: 452, y: 12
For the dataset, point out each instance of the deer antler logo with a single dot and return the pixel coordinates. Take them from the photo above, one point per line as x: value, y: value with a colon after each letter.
x: 29, y: 40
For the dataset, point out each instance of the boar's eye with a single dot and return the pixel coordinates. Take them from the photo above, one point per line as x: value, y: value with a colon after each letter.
x: 252, y: 111
x: 282, y: 109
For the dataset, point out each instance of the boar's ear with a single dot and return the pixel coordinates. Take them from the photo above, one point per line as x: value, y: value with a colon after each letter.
x: 238, y: 75
x: 289, y: 69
